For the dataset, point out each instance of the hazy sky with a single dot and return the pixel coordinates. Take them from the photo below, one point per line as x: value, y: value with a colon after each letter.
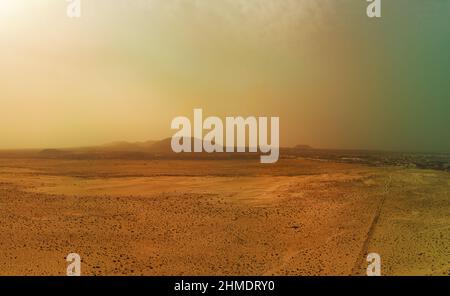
x: 126, y: 68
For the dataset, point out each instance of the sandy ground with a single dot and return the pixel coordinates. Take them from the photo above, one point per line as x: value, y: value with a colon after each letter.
x: 298, y: 217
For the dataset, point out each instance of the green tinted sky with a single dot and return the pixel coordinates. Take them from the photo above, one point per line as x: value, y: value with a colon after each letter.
x: 335, y: 77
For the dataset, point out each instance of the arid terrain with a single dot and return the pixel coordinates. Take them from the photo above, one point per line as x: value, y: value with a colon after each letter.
x: 221, y: 217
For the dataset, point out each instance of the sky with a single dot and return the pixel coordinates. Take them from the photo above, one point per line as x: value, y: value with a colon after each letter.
x: 126, y: 68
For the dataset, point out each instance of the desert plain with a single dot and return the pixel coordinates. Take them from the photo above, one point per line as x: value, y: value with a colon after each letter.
x: 299, y: 216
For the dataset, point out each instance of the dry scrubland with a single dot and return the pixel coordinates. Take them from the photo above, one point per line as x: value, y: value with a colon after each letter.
x: 171, y: 217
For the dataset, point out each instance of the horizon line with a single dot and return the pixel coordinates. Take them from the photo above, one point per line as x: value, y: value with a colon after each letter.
x: 280, y: 147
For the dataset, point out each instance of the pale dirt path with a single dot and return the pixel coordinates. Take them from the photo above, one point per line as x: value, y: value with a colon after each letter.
x: 360, y: 263
x: 412, y: 234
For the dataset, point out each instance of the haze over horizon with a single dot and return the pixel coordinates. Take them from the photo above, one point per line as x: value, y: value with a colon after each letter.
x: 138, y: 144
x: 124, y: 70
